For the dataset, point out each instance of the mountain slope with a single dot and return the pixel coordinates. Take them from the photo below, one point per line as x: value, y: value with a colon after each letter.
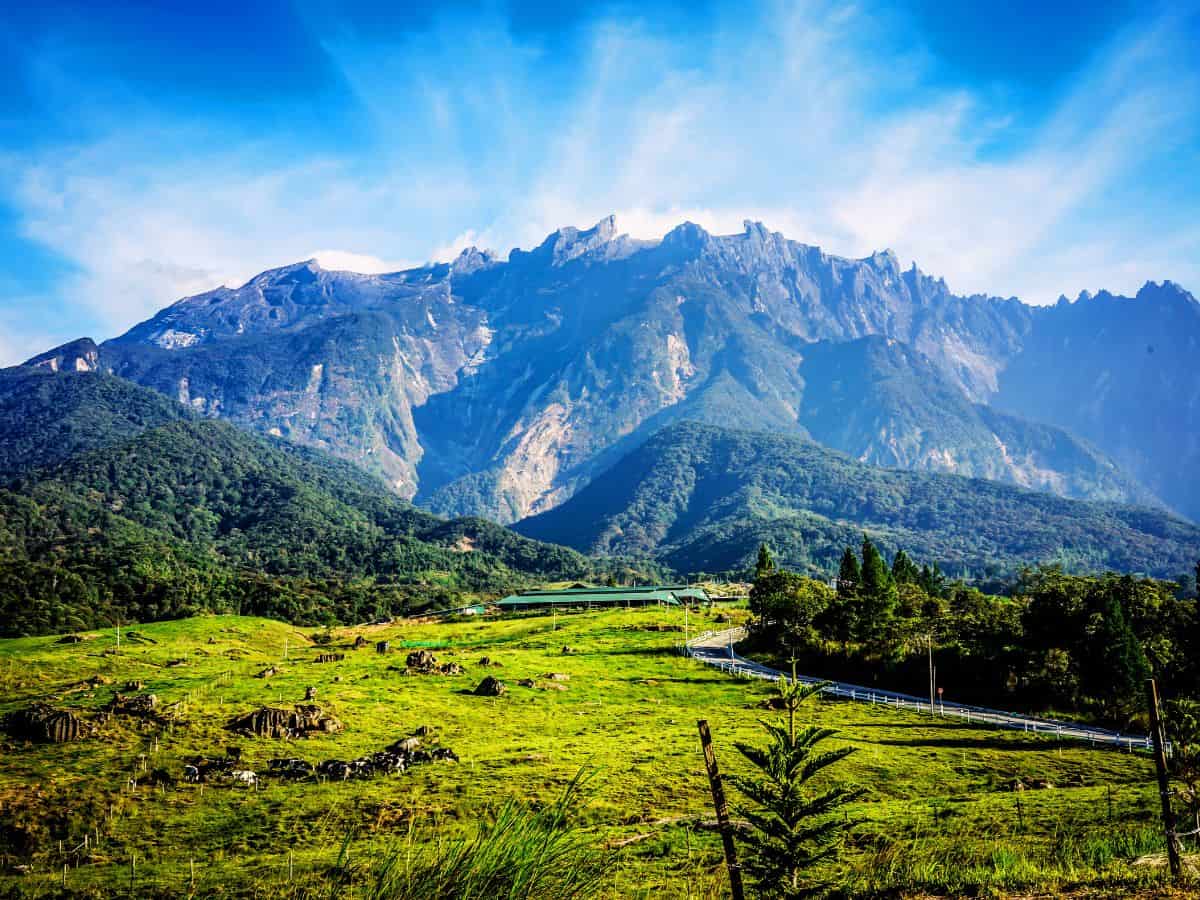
x: 197, y: 515
x: 46, y: 416
x: 703, y: 498
x: 1123, y: 373
x: 501, y: 387
x: 886, y: 404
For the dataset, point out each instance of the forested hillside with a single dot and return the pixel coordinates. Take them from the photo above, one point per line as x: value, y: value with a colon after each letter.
x: 703, y: 499
x: 199, y: 515
x: 47, y: 415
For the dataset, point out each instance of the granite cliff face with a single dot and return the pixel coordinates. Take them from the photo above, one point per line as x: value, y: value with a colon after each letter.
x: 500, y: 387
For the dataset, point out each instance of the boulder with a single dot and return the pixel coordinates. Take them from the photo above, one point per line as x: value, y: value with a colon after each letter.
x: 141, y: 705
x: 44, y: 724
x: 491, y: 686
x: 421, y: 659
x: 303, y: 720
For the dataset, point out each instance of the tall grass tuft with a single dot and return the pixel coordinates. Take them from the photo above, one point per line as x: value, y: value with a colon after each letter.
x: 524, y: 853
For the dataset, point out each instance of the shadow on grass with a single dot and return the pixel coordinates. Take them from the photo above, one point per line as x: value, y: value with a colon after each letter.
x: 980, y: 743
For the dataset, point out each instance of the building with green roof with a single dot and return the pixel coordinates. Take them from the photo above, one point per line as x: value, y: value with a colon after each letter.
x: 590, y: 597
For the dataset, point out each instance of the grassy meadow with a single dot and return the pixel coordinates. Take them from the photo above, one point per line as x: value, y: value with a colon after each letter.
x: 940, y: 817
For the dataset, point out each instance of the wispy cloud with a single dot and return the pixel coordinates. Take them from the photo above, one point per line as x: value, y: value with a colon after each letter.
x: 811, y: 117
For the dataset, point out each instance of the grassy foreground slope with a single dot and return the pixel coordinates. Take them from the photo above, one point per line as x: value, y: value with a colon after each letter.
x: 939, y: 817
x: 701, y: 498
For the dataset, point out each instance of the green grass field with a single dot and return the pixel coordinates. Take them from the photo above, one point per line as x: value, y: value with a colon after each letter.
x: 940, y: 817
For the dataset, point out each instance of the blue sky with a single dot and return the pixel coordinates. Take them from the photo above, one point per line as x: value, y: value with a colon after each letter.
x: 147, y: 152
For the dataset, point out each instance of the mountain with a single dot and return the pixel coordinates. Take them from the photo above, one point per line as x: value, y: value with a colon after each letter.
x: 1123, y: 373
x: 197, y: 514
x: 500, y: 387
x: 885, y: 403
x: 701, y: 498
x: 48, y: 415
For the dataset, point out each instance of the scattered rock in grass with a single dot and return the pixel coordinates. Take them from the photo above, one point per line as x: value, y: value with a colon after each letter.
x: 303, y: 720
x: 491, y: 686
x: 175, y: 663
x: 567, y: 650
x: 69, y: 639
x: 268, y: 672
x: 557, y: 676
x: 553, y: 686
x: 43, y: 724
x: 142, y: 706
x: 526, y: 683
x: 421, y: 659
x: 422, y: 662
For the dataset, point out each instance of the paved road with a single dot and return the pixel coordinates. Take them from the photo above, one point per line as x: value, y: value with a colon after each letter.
x: 716, y: 649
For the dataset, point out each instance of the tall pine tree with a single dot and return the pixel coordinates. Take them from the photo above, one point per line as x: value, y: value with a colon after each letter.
x: 904, y: 570
x: 879, y: 595
x: 839, y: 618
x: 765, y: 564
x: 1116, y: 667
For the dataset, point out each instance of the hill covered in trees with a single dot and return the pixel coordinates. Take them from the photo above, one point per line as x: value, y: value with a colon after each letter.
x: 197, y: 515
x: 701, y: 498
x: 47, y: 415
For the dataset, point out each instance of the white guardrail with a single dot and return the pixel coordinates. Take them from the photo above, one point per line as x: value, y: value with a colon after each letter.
x: 715, y: 648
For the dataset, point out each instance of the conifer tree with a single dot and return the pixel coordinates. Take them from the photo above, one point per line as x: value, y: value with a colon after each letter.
x: 793, y: 826
x: 1116, y: 667
x: 879, y: 595
x: 904, y: 570
x: 849, y: 577
x: 765, y: 564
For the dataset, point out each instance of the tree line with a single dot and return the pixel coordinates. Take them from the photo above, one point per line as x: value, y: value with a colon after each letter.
x: 1074, y: 644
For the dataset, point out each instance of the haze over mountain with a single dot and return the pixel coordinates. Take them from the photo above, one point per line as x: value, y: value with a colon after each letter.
x: 500, y: 387
x: 701, y: 498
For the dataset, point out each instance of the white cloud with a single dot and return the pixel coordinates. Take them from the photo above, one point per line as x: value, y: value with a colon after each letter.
x: 347, y: 261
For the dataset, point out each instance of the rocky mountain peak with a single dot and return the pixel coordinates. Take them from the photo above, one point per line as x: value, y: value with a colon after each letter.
x: 570, y: 243
x: 304, y: 272
x: 472, y: 259
x: 687, y: 236
x: 79, y: 355
x: 1167, y: 292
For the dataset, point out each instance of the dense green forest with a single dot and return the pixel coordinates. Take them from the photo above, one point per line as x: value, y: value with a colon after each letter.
x: 198, y: 515
x: 47, y: 416
x: 1066, y: 643
x: 701, y: 498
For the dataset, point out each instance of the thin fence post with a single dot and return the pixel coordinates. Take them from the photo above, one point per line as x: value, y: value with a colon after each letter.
x: 1164, y: 787
x: 722, y: 809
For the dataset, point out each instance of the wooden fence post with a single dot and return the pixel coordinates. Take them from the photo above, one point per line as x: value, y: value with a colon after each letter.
x: 1164, y: 786
x: 722, y: 809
